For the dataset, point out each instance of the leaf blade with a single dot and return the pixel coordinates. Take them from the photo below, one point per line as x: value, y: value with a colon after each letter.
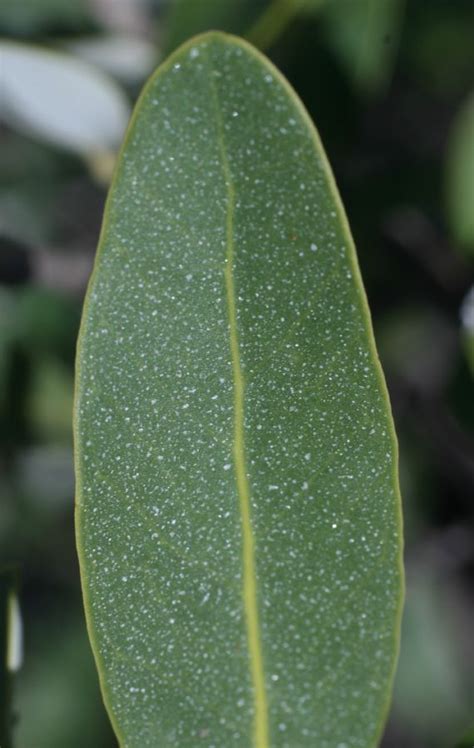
x: 240, y: 385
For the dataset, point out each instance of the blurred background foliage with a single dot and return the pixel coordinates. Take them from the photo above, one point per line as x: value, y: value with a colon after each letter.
x: 390, y: 85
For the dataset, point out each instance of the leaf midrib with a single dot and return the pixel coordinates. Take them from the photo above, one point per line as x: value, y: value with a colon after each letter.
x: 249, y: 591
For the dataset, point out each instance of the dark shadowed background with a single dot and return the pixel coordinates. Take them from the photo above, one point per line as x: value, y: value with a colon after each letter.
x: 390, y: 85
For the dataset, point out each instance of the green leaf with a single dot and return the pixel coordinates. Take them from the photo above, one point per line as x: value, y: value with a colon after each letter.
x: 238, y: 512
x: 187, y: 17
x: 430, y: 695
x: 460, y: 177
x: 33, y: 16
x: 275, y: 19
x: 10, y: 638
x: 467, y: 741
x: 67, y: 711
x: 364, y: 34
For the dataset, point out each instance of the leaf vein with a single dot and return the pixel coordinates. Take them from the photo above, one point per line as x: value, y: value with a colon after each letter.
x: 261, y: 729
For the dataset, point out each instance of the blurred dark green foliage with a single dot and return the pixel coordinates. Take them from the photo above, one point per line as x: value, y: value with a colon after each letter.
x: 386, y: 84
x: 7, y: 591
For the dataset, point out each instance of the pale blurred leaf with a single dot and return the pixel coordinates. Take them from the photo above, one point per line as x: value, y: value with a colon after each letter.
x: 467, y: 322
x: 126, y: 57
x: 62, y: 100
x: 429, y: 691
x: 46, y: 477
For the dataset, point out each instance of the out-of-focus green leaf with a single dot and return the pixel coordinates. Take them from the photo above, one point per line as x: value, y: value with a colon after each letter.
x: 37, y: 330
x: 238, y: 511
x: 7, y: 333
x: 460, y: 177
x: 188, y: 17
x: 29, y: 16
x: 439, y: 49
x: 57, y: 688
x: 10, y: 652
x: 419, y: 345
x: 467, y: 741
x: 430, y: 696
x: 50, y: 404
x: 55, y: 97
x: 275, y: 18
x: 5, y: 685
x: 364, y: 34
x: 28, y: 213
x: 46, y: 321
x: 20, y: 218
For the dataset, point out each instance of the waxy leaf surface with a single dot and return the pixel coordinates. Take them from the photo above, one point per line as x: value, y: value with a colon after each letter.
x: 237, y: 507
